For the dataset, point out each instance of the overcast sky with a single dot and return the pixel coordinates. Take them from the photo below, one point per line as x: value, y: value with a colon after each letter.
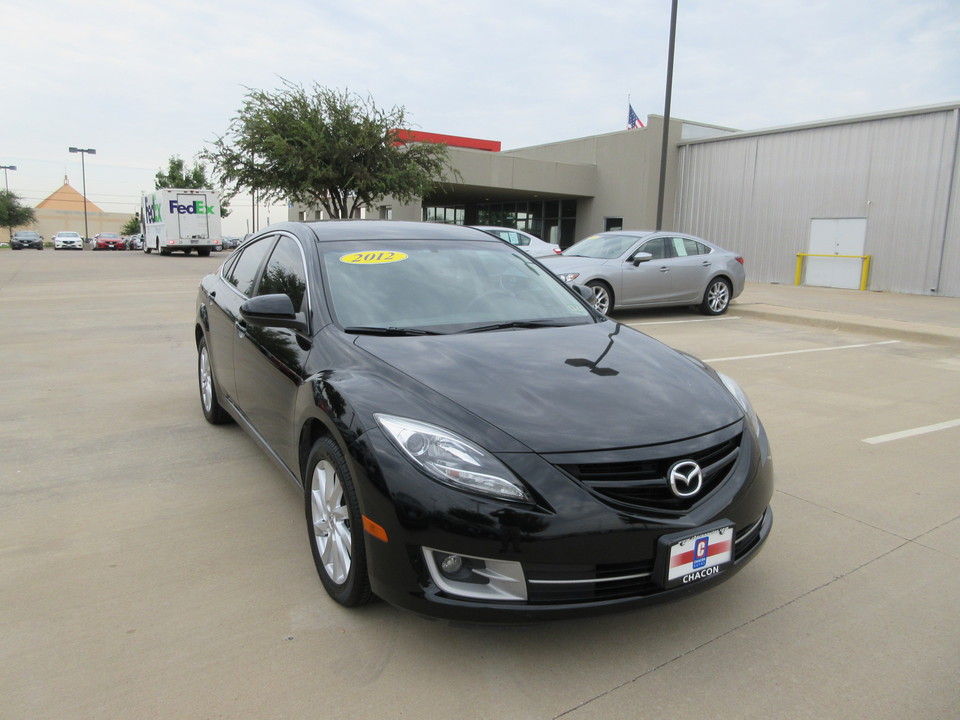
x: 141, y: 81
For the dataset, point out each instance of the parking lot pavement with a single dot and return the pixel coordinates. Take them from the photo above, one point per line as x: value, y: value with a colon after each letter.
x: 153, y: 566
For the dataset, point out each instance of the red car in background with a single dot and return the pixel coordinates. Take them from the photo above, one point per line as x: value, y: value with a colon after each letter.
x: 108, y: 241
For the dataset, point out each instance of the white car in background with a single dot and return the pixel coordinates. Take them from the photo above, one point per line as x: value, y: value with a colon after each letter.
x: 530, y: 244
x: 65, y: 240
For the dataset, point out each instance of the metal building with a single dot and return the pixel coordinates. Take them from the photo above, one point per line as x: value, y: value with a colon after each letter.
x: 881, y: 186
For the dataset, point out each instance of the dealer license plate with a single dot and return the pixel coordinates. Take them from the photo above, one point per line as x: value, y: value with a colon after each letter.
x: 697, y: 557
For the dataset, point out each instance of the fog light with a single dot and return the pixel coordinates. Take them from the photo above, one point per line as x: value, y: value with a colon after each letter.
x: 476, y: 578
x: 451, y: 564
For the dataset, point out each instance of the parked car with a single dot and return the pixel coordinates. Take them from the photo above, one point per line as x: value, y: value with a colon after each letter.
x: 640, y: 268
x: 229, y: 242
x: 108, y: 241
x: 26, y: 239
x: 133, y: 242
x: 530, y: 244
x: 67, y: 240
x: 473, y: 440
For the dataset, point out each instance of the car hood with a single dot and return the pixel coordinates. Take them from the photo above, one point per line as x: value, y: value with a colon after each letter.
x: 581, y: 388
x: 575, y: 263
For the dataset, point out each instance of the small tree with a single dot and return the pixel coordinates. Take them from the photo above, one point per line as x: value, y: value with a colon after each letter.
x: 178, y: 176
x: 323, y: 148
x: 133, y: 225
x: 12, y: 213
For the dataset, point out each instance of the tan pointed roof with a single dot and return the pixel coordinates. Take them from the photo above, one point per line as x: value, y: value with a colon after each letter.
x: 66, y: 198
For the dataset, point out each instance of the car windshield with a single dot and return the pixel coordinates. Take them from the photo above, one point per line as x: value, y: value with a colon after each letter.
x: 443, y: 286
x: 604, y: 246
x: 109, y: 236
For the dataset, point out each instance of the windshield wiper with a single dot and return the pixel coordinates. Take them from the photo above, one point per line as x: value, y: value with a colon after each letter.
x: 516, y: 324
x: 391, y: 331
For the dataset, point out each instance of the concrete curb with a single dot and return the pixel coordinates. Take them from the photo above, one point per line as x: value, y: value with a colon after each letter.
x: 895, y: 329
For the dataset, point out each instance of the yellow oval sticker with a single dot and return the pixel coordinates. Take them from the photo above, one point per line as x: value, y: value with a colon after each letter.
x: 373, y: 257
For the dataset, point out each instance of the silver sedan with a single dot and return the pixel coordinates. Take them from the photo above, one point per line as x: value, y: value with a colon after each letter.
x: 641, y: 268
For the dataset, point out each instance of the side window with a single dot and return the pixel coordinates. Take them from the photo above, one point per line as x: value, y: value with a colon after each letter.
x: 510, y: 237
x: 242, y: 274
x: 701, y: 249
x: 656, y: 247
x: 285, y: 273
x: 684, y: 247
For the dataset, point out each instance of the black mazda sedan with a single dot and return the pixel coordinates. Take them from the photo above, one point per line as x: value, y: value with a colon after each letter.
x: 474, y: 441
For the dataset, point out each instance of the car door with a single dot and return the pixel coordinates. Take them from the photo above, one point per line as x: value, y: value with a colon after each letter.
x: 269, y: 361
x: 690, y: 268
x: 237, y: 281
x: 647, y: 282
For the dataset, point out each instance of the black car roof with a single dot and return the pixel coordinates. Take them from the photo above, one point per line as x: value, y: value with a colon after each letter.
x: 337, y: 230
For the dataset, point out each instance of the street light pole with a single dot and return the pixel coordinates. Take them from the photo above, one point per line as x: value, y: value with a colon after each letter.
x: 5, y: 168
x: 7, y: 186
x: 83, y: 170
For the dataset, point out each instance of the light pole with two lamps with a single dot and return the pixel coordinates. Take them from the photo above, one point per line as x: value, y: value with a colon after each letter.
x: 83, y: 170
x: 5, y: 168
x: 6, y: 185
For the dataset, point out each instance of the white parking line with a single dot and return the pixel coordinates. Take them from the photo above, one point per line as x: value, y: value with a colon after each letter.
x: 799, y: 352
x: 910, y: 433
x: 680, y: 322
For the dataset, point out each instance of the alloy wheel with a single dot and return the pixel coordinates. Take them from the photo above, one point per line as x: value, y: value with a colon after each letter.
x: 331, y: 522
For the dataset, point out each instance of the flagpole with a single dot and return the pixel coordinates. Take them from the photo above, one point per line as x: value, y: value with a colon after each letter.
x: 666, y: 116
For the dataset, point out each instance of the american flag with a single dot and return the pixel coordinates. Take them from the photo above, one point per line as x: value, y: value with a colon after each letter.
x: 632, y: 120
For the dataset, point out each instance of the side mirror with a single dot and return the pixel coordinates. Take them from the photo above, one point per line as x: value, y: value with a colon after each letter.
x: 641, y: 257
x: 585, y: 292
x: 273, y: 311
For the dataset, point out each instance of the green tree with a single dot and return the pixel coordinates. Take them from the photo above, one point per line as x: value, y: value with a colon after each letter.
x: 179, y: 176
x: 324, y: 147
x: 12, y: 213
x: 132, y: 227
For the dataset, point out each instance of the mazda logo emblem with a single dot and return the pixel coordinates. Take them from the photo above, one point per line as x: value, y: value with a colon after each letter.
x: 686, y: 478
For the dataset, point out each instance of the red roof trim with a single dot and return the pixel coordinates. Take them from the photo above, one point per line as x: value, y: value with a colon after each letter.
x: 451, y: 140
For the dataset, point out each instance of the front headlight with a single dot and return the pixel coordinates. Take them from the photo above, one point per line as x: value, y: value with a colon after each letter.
x: 452, y: 459
x: 741, y: 397
x: 568, y: 277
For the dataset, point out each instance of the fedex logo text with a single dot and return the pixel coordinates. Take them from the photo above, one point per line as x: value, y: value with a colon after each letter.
x: 151, y: 211
x: 197, y: 207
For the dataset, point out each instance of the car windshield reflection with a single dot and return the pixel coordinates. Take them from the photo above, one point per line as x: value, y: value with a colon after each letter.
x: 602, y: 247
x: 391, y: 287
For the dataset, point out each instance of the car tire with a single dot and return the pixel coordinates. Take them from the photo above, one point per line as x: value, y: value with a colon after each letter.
x: 602, y: 296
x: 203, y: 253
x: 716, y: 298
x: 209, y: 402
x: 335, y: 526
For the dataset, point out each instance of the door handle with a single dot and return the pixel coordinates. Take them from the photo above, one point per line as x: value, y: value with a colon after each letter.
x: 664, y: 269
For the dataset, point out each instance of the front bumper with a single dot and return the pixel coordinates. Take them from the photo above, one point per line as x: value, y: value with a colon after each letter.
x: 575, y: 553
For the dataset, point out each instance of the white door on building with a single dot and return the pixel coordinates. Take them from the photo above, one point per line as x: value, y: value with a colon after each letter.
x: 835, y: 236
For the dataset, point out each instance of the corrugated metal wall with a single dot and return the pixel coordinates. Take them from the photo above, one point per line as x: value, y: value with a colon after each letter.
x: 757, y: 193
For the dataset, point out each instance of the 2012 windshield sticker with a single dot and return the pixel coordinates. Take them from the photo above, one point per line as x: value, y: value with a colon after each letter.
x: 373, y: 257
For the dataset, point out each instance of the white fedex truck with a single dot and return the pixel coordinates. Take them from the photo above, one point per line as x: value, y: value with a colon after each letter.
x: 181, y: 221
